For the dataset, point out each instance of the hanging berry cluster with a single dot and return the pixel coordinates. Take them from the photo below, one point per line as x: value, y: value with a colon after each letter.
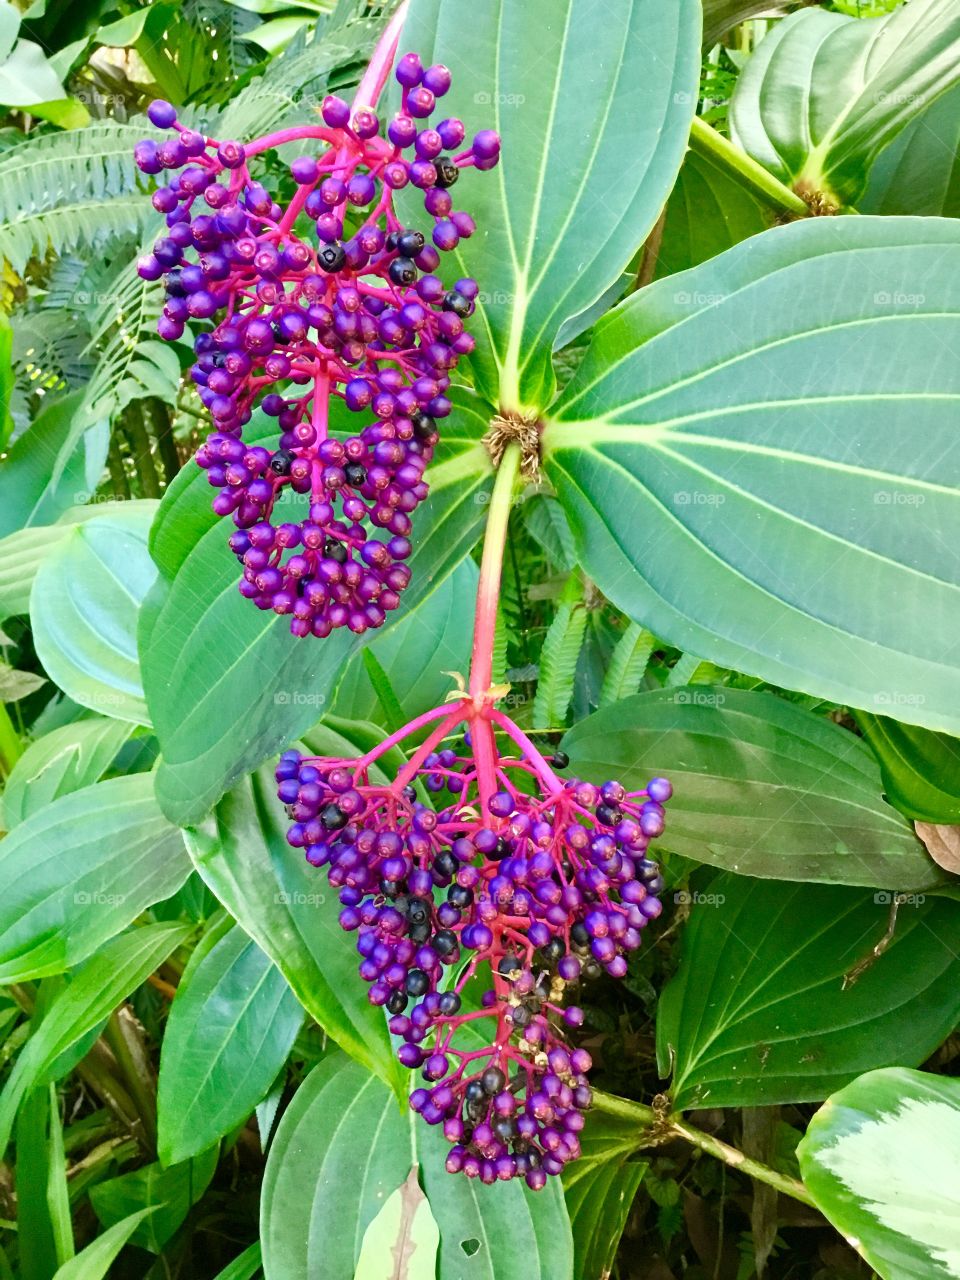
x: 509, y: 885
x: 353, y: 311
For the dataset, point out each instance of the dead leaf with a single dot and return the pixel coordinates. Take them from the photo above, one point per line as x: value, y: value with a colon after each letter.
x: 943, y: 844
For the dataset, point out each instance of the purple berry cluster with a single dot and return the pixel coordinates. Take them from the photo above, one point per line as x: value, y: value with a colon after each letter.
x: 329, y: 296
x: 527, y: 889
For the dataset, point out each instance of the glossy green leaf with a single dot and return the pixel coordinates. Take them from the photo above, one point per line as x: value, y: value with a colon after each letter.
x: 708, y: 212
x: 919, y: 172
x: 94, y: 1262
x: 231, y: 1026
x: 550, y: 239
x: 286, y: 906
x: 84, y: 609
x: 93, y: 993
x: 416, y: 655
x: 79, y: 870
x: 824, y: 92
x: 719, y: 16
x: 343, y: 1146
x: 402, y: 1240
x: 23, y: 552
x: 921, y: 770
x: 227, y: 685
x: 62, y: 761
x: 170, y: 1193
x: 711, y: 456
x: 600, y: 1187
x: 880, y: 1159
x: 759, y: 1013
x: 46, y: 469
x: 761, y: 786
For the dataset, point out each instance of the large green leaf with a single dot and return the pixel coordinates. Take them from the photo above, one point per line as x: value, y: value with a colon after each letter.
x: 93, y: 993
x: 84, y: 609
x: 23, y: 552
x: 227, y: 685
x: 880, y: 1158
x: 921, y: 770
x: 591, y: 147
x: 724, y: 491
x: 47, y: 467
x: 919, y: 172
x: 343, y: 1146
x: 759, y: 1012
x: 719, y: 16
x: 824, y: 93
x: 79, y: 870
x: 64, y: 760
x: 231, y: 1026
x: 600, y: 1187
x: 286, y: 906
x: 94, y: 1262
x: 761, y: 786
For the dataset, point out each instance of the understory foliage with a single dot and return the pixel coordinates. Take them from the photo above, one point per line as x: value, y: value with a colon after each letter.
x: 645, y: 850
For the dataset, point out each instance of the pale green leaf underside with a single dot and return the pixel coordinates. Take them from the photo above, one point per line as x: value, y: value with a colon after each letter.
x: 881, y: 1159
x: 759, y: 458
x: 825, y: 92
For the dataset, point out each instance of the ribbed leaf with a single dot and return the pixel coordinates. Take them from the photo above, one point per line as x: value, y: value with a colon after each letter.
x: 919, y: 172
x: 824, y: 93
x: 627, y: 665
x: 558, y: 657
x: 712, y: 458
x: 62, y: 761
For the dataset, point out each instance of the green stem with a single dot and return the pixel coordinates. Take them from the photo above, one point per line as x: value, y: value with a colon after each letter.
x: 162, y: 427
x: 661, y: 1128
x: 11, y: 748
x: 118, y: 476
x: 491, y: 566
x: 140, y: 451
x: 122, y: 1037
x: 705, y: 141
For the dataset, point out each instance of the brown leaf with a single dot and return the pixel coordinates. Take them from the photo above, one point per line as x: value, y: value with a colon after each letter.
x: 943, y: 844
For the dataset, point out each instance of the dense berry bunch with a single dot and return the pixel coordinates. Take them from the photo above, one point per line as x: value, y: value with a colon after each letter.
x: 531, y: 887
x: 329, y: 295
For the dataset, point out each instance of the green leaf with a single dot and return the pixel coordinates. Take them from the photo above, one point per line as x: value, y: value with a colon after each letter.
x: 547, y: 524
x: 600, y: 1187
x: 416, y: 654
x: 220, y: 709
x: 627, y: 665
x: 708, y: 212
x: 43, y: 1210
x: 711, y: 456
x: 759, y: 1012
x: 550, y: 240
x: 84, y: 609
x: 343, y: 1146
x: 761, y: 786
x: 231, y: 1026
x: 879, y: 1158
x: 170, y: 1193
x: 919, y: 172
x: 79, y: 870
x: 285, y: 905
x: 15, y: 684
x: 559, y: 655
x: 94, y: 1262
x: 23, y: 552
x: 824, y: 92
x: 244, y: 1266
x: 720, y: 16
x: 402, y: 1240
x: 94, y: 992
x: 64, y: 760
x: 921, y: 770
x: 46, y: 467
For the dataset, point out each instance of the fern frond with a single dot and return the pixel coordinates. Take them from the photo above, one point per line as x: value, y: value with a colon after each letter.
x: 60, y: 191
x: 628, y: 664
x: 559, y: 657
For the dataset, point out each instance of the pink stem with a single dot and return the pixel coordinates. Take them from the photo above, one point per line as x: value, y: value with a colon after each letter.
x: 375, y: 76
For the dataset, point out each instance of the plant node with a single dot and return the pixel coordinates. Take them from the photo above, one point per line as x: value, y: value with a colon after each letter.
x: 524, y: 429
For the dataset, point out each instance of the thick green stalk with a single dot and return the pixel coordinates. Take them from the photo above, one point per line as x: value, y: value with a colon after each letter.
x: 705, y: 141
